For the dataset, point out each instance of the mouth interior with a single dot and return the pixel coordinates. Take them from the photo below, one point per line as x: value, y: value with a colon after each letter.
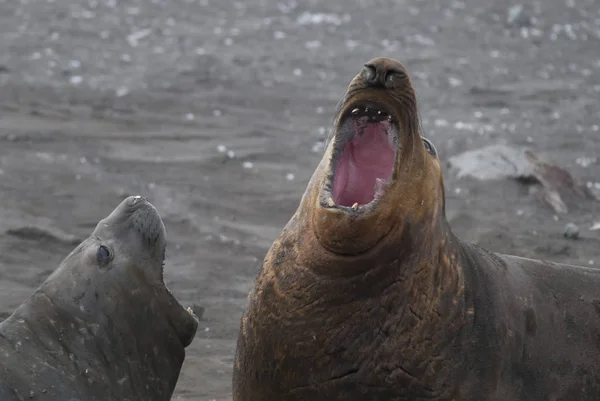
x: 367, y: 159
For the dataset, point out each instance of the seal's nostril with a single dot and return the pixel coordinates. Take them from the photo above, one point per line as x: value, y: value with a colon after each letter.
x: 138, y: 199
x: 369, y: 73
x: 389, y: 76
x: 382, y: 74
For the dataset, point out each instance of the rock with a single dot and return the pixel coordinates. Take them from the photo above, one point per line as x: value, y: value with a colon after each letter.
x: 501, y: 162
x: 518, y: 16
x: 34, y: 233
x: 492, y: 162
x: 571, y: 231
x: 553, y: 198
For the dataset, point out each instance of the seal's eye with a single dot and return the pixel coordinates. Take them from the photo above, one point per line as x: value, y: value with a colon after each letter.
x: 103, y: 255
x: 429, y: 147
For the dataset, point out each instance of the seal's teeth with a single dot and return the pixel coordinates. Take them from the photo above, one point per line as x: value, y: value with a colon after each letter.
x: 330, y: 202
x: 355, y: 111
x: 389, y: 118
x: 355, y: 206
x: 379, y: 112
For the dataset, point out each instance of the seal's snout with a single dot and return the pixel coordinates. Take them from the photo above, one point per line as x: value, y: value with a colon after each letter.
x: 361, y: 180
x: 138, y: 214
x: 136, y: 201
x: 382, y: 73
x: 147, y: 222
x: 367, y: 142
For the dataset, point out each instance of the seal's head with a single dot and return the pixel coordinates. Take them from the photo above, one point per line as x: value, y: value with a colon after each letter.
x: 105, y: 319
x: 109, y: 296
x: 117, y: 274
x: 379, y: 177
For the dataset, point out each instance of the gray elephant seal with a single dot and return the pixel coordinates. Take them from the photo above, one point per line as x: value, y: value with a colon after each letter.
x: 103, y: 326
x: 368, y: 295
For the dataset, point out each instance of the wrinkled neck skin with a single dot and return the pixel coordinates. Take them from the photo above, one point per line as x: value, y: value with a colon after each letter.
x: 114, y: 331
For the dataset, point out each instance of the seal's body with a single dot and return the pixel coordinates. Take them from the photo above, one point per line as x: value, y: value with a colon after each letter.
x: 534, y: 329
x: 103, y: 326
x: 368, y: 295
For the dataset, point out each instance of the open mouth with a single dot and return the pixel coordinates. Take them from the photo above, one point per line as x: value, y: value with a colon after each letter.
x: 366, y: 153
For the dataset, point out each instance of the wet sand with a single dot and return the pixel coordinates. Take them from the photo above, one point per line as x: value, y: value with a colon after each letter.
x: 216, y: 112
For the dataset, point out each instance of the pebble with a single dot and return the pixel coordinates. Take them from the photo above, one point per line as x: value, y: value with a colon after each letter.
x: 318, y: 147
x: 518, y: 16
x: 312, y: 44
x: 571, y: 231
x: 76, y: 80
x: 122, y: 91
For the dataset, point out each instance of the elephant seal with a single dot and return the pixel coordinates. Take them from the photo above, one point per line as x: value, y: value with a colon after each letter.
x: 103, y: 326
x: 368, y: 295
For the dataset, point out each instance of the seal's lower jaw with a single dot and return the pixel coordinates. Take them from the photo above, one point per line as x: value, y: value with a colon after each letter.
x: 148, y: 226
x: 363, y: 159
x: 183, y: 321
x: 186, y: 329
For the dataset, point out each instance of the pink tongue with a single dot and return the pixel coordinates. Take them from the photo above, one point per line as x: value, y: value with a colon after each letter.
x: 364, y: 160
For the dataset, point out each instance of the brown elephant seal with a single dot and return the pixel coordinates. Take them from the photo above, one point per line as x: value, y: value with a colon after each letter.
x: 103, y: 326
x: 368, y: 295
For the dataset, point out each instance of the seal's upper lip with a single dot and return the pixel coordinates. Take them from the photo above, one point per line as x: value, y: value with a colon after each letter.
x: 365, y: 146
x: 367, y: 108
x: 135, y: 202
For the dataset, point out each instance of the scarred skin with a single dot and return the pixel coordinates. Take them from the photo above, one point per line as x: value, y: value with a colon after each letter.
x: 386, y: 303
x: 100, y: 329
